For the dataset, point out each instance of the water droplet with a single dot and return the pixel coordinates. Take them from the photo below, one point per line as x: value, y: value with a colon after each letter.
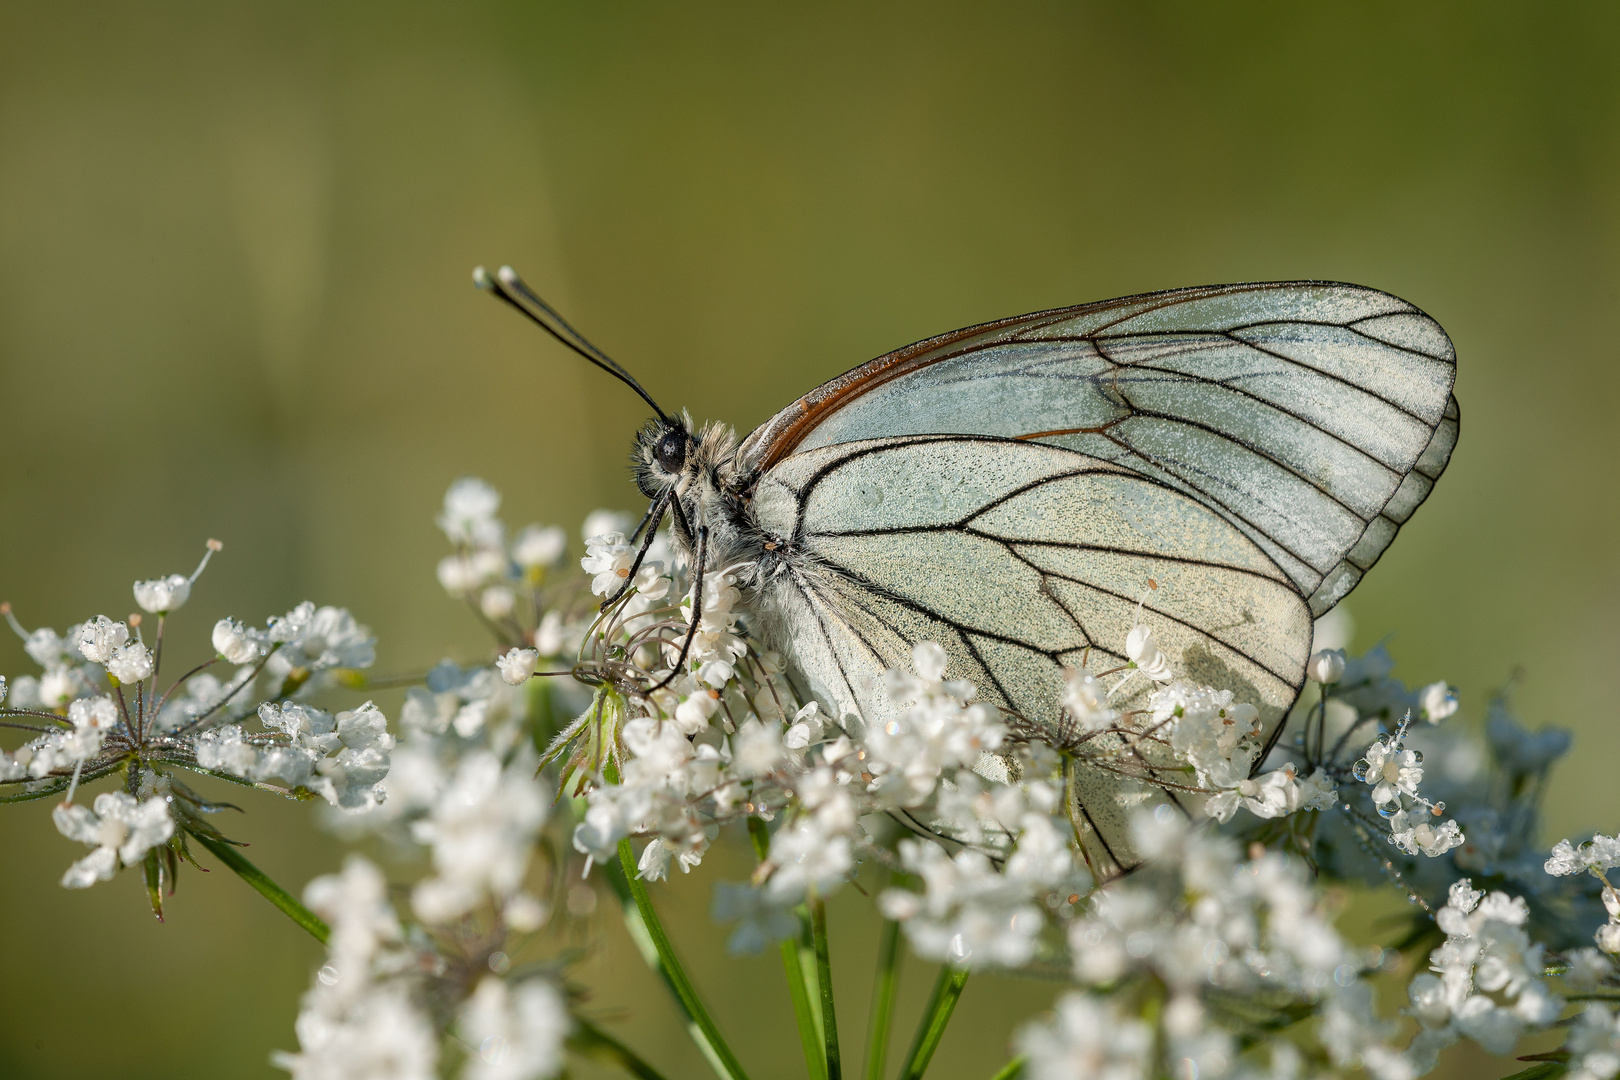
x: 1385, y: 738
x: 1361, y: 770
x: 1417, y: 757
x: 1389, y: 809
x: 493, y: 1050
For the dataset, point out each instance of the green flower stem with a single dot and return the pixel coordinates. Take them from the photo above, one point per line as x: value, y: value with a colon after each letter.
x: 804, y: 1013
x: 829, y: 1019
x: 660, y: 953
x: 272, y: 892
x: 588, y: 1040
x: 1012, y: 1070
x: 882, y: 1011
x: 938, y: 1013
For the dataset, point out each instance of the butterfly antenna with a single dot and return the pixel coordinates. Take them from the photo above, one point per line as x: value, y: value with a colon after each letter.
x: 506, y: 285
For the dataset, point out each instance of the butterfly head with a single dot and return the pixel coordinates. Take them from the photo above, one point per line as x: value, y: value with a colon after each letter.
x: 662, y: 454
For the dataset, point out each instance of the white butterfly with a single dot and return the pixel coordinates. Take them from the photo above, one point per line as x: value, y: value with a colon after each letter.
x: 1008, y: 490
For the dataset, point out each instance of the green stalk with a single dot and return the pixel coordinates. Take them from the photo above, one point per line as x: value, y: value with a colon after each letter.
x: 1012, y: 1070
x: 805, y: 951
x: 660, y: 953
x: 829, y: 1018
x: 289, y: 905
x: 804, y: 1013
x: 588, y: 1040
x: 946, y: 992
x: 882, y: 1011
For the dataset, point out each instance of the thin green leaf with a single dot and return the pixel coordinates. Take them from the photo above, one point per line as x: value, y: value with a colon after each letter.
x: 152, y: 870
x: 883, y: 993
x: 660, y: 954
x: 281, y: 898
x: 1546, y: 1070
x: 588, y: 1040
x: 829, y: 1017
x: 1012, y: 1070
x: 947, y: 991
x: 798, y: 981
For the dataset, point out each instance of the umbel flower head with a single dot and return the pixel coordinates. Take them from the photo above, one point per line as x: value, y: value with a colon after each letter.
x: 98, y: 709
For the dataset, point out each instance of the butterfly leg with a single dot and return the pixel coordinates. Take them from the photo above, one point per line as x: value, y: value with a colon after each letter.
x: 650, y: 522
x: 697, y: 609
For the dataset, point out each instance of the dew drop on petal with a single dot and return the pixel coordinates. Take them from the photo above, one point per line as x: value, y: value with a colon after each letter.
x: 1361, y: 770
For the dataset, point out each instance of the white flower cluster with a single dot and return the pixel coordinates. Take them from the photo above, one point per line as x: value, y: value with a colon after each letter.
x: 974, y: 914
x: 1394, y: 772
x: 360, y: 1021
x: 481, y: 830
x: 1219, y: 739
x: 1199, y: 919
x: 504, y: 581
x: 936, y: 730
x: 1088, y: 1036
x: 1594, y: 1043
x: 97, y: 709
x: 1389, y: 828
x: 367, y: 1015
x: 120, y: 828
x: 1185, y: 967
x: 1596, y: 856
x: 463, y: 789
x: 1484, y: 983
x: 341, y: 758
x: 516, y: 1030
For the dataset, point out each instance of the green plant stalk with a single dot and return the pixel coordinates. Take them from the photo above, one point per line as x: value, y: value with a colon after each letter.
x: 804, y: 1013
x: 932, y: 1028
x: 829, y: 1018
x: 805, y: 951
x: 266, y: 888
x: 660, y: 954
x: 588, y: 1040
x: 883, y: 991
x: 1012, y: 1070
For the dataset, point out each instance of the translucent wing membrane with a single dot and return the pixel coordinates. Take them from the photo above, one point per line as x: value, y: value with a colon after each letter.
x: 1020, y: 559
x: 1312, y: 417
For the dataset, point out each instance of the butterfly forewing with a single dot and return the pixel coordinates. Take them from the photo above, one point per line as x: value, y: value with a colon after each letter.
x: 1296, y: 410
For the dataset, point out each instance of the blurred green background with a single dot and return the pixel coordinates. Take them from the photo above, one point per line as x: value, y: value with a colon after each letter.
x: 235, y: 242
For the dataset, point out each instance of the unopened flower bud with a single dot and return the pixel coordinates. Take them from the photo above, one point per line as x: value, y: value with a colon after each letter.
x: 163, y: 594
x: 1326, y: 666
x: 1438, y: 701
x: 497, y: 602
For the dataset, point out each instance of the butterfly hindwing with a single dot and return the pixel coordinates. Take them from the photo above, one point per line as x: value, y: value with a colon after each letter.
x: 1020, y: 559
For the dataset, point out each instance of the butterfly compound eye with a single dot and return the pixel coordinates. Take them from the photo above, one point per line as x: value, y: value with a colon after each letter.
x: 672, y: 451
